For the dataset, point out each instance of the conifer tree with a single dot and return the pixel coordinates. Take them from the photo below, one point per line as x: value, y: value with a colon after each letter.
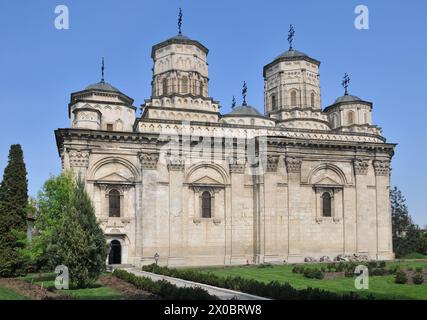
x: 13, y: 212
x: 80, y: 242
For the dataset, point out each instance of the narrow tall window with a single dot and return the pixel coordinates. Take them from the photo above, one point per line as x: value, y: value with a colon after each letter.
x: 114, y: 203
x: 326, y: 205
x: 201, y: 88
x: 350, y: 117
x: 293, y: 99
x: 312, y: 99
x: 165, y: 87
x: 206, y: 205
x: 184, y: 85
x: 273, y: 102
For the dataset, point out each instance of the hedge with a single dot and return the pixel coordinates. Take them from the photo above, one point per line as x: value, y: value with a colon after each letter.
x: 163, y: 288
x: 272, y: 290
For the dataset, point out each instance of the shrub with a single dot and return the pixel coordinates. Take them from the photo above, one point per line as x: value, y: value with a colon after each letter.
x: 418, y: 278
x: 313, y: 274
x: 272, y: 290
x: 382, y: 264
x: 419, y: 269
x: 401, y: 277
x: 163, y: 288
x: 298, y: 269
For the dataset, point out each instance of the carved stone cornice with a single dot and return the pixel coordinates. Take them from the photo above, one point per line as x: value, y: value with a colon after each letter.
x: 361, y: 166
x: 293, y: 165
x: 79, y: 158
x: 237, y: 165
x: 176, y: 164
x: 381, y: 167
x: 149, y: 160
x: 272, y: 162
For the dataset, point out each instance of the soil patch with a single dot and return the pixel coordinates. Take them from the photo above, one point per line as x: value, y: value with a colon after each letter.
x: 131, y: 292
x: 31, y: 291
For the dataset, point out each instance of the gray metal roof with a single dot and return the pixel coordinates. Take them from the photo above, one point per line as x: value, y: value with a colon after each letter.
x: 347, y: 98
x: 103, y: 86
x: 245, y: 111
x: 292, y: 54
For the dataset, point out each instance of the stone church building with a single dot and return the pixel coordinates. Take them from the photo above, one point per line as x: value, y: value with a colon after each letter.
x: 188, y: 185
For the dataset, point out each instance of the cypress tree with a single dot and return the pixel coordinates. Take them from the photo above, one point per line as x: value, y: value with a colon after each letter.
x: 80, y: 242
x: 13, y: 212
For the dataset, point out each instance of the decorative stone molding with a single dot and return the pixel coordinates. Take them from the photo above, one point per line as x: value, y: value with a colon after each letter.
x: 237, y: 166
x: 79, y: 158
x: 361, y: 166
x: 216, y: 221
x: 149, y: 160
x: 197, y: 221
x: 382, y: 167
x: 176, y: 164
x: 293, y: 165
x: 272, y: 162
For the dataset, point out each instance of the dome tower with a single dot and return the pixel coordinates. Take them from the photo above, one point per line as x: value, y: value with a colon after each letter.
x: 292, y: 90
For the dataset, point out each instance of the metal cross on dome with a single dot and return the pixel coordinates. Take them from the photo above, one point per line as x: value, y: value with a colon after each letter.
x: 233, y: 102
x: 345, y: 83
x: 180, y: 21
x: 244, y: 92
x: 291, y: 35
x: 102, y: 70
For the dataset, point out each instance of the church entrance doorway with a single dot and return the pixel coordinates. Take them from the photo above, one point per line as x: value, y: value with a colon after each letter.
x: 115, y: 256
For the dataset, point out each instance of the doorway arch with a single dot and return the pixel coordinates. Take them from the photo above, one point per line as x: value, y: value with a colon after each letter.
x: 115, y: 255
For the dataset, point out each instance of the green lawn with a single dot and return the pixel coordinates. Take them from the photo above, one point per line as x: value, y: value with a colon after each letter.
x: 7, y: 294
x: 96, y: 292
x: 379, y: 286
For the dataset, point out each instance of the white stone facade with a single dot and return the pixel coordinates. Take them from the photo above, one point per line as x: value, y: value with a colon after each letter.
x: 201, y: 188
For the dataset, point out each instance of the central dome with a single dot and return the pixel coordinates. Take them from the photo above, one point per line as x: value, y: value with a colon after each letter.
x: 102, y: 86
x: 245, y: 111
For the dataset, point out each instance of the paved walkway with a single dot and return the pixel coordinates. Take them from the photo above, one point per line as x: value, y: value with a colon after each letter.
x: 223, y: 294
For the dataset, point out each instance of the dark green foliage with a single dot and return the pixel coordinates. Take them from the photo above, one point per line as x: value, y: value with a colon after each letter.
x: 273, y: 289
x: 401, y: 277
x: 52, y: 203
x: 407, y: 236
x: 418, y: 278
x: 13, y: 213
x: 79, y: 242
x: 313, y: 273
x: 163, y: 288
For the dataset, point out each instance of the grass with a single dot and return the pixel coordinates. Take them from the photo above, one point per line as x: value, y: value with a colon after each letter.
x: 7, y: 294
x: 415, y: 255
x: 95, y: 292
x: 379, y: 286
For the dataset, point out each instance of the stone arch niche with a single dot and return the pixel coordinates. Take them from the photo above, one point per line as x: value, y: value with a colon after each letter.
x: 207, y: 177
x: 114, y: 173
x: 328, y: 179
x: 206, y: 231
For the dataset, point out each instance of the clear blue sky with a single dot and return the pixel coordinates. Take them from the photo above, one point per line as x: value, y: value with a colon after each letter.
x: 40, y: 66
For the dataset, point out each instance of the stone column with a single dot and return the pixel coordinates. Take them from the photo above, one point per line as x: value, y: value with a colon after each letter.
x: 384, y: 224
x: 176, y: 235
x: 365, y: 208
x: 295, y: 197
x: 233, y: 222
x: 146, y: 216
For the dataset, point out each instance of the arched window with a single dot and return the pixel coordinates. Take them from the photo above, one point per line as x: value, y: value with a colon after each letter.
x: 273, y: 102
x: 350, y: 117
x: 114, y: 203
x: 312, y: 99
x: 206, y: 205
x: 184, y: 85
x: 165, y: 86
x: 326, y: 205
x: 293, y: 98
